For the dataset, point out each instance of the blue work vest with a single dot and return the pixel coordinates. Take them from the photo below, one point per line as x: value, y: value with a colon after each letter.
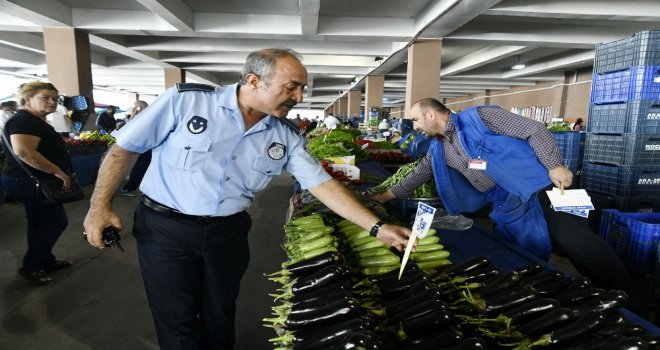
x: 518, y: 175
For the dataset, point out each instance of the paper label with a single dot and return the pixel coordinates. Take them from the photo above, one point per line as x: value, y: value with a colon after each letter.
x: 423, y: 220
x: 477, y: 164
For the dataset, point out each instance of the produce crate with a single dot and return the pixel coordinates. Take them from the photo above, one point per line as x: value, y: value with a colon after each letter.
x: 634, y: 83
x: 623, y: 181
x: 634, y: 236
x: 626, y: 149
x: 642, y: 49
x: 635, y: 117
x: 574, y: 165
x: 570, y: 143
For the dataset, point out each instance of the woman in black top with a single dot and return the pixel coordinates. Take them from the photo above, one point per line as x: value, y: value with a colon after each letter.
x: 42, y: 149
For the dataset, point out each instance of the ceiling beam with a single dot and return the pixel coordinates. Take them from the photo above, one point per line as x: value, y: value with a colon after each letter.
x: 578, y: 58
x: 309, y: 16
x: 640, y: 10
x: 481, y: 57
x: 174, y: 12
x: 44, y: 13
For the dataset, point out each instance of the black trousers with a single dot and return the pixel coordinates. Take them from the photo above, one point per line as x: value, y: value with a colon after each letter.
x: 591, y: 255
x: 138, y: 170
x: 45, y: 223
x: 192, y: 273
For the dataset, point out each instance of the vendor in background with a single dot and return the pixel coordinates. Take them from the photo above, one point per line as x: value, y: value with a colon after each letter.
x: 383, y: 126
x: 578, y: 125
x: 331, y: 122
x: 509, y: 163
x: 106, y: 121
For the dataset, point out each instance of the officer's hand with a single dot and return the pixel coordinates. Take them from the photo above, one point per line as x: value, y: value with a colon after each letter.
x: 97, y: 219
x: 382, y: 197
x: 560, y: 175
x: 395, y: 236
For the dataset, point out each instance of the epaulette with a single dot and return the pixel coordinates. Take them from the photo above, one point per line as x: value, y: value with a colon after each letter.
x: 290, y: 124
x: 181, y: 87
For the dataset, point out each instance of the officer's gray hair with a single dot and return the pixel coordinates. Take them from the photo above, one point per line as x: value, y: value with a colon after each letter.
x: 260, y: 63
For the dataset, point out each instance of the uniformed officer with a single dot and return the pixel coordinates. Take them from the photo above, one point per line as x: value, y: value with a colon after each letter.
x: 212, y: 151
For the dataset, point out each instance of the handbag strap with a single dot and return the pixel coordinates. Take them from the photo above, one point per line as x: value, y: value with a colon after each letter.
x: 5, y: 139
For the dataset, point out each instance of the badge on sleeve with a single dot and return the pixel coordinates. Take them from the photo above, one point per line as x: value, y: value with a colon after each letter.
x: 197, y: 125
x: 276, y: 151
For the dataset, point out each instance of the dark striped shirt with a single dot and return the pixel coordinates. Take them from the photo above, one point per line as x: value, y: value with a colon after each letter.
x: 500, y: 122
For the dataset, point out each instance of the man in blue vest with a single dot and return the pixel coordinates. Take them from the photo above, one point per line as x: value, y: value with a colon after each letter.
x: 485, y: 155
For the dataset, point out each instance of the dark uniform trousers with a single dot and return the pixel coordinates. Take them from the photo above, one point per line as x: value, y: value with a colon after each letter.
x: 591, y: 255
x: 192, y: 271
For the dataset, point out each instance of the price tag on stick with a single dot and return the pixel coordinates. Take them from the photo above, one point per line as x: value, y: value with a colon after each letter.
x: 423, y: 220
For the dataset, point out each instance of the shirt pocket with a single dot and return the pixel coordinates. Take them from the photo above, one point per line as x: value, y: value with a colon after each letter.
x: 263, y: 170
x: 187, y: 154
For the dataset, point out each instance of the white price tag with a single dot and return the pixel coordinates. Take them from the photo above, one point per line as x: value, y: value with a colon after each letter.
x: 423, y: 220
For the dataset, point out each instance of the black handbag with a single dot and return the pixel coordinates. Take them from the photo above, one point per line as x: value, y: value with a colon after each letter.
x: 49, y: 190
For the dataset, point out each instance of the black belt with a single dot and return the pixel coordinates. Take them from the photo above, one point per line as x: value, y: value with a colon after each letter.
x: 170, y: 212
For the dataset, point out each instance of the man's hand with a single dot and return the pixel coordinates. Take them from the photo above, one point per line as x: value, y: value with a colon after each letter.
x: 561, y: 175
x: 395, y: 236
x: 382, y: 197
x: 97, y: 219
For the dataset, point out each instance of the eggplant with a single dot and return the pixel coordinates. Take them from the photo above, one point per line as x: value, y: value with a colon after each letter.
x: 432, y: 322
x: 394, y: 289
x: 530, y: 270
x: 551, y: 288
x: 326, y: 335
x: 498, y: 303
x: 544, y: 277
x: 581, y: 325
x: 479, y: 275
x: 316, y: 263
x: 652, y: 340
x: 322, y: 293
x: 615, y: 318
x: 579, y: 282
x: 395, y: 279
x: 628, y: 330
x: 335, y: 312
x: 418, y: 288
x: 632, y: 343
x: 315, y: 304
x: 506, y: 281
x: 549, y: 321
x: 472, y: 264
x: 578, y: 296
x: 472, y: 343
x: 530, y: 309
x: 591, y: 343
x: 393, y: 275
x: 416, y: 311
x: 359, y: 341
x: 449, y: 336
x: 321, y: 278
x: 606, y: 301
x: 405, y: 304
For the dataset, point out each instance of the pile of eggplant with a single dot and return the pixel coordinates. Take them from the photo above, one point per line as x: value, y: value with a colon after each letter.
x: 346, y: 294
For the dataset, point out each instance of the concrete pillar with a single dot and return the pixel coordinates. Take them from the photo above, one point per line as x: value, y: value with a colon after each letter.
x: 373, y: 95
x: 174, y: 76
x: 487, y: 97
x: 69, y: 63
x: 132, y: 97
x: 343, y: 105
x: 354, y: 102
x: 561, y: 95
x: 335, y: 108
x: 423, y: 77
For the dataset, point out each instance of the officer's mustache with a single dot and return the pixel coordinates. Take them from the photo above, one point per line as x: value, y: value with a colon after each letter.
x: 290, y: 104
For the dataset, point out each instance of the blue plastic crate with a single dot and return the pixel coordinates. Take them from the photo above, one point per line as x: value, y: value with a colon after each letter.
x: 642, y: 49
x: 635, y: 83
x: 634, y: 236
x: 570, y: 143
x: 80, y: 103
x: 635, y: 117
x: 625, y: 149
x: 624, y: 181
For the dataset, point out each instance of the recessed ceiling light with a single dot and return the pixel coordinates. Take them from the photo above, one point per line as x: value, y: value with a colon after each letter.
x: 518, y: 66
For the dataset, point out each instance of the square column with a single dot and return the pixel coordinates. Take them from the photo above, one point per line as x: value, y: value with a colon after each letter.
x: 174, y: 76
x: 354, y: 101
x: 423, y: 78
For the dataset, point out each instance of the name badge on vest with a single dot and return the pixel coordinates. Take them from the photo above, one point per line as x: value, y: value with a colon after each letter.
x: 477, y: 164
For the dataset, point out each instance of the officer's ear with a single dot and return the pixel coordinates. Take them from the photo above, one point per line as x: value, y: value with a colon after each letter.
x: 252, y: 80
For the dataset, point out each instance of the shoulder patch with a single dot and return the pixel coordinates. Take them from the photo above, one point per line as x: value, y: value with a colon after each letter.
x: 182, y: 87
x: 290, y: 124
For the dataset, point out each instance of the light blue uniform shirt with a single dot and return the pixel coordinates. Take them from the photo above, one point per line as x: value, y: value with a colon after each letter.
x: 204, y: 162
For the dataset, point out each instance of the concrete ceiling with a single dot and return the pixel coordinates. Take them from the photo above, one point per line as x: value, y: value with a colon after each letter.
x: 133, y: 40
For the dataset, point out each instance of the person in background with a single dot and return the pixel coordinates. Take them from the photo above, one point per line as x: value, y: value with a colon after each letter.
x: 44, y: 152
x: 60, y: 120
x: 311, y: 126
x: 383, y: 126
x: 578, y: 125
x: 106, y: 121
x: 8, y: 108
x: 331, y: 122
x: 395, y: 123
x: 213, y: 150
x: 509, y: 163
x: 141, y: 165
x: 296, y: 120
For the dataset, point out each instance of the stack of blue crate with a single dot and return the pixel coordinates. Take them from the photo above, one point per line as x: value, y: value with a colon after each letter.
x: 571, y: 145
x: 622, y: 147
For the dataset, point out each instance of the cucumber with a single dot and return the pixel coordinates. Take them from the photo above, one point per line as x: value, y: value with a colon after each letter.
x: 373, y: 244
x: 380, y: 260
x: 434, y: 255
x: 425, y: 265
x: 428, y: 240
x: 374, y: 252
x: 429, y: 248
x: 371, y: 271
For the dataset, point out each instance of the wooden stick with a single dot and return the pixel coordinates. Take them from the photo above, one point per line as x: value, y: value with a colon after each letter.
x: 561, y: 188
